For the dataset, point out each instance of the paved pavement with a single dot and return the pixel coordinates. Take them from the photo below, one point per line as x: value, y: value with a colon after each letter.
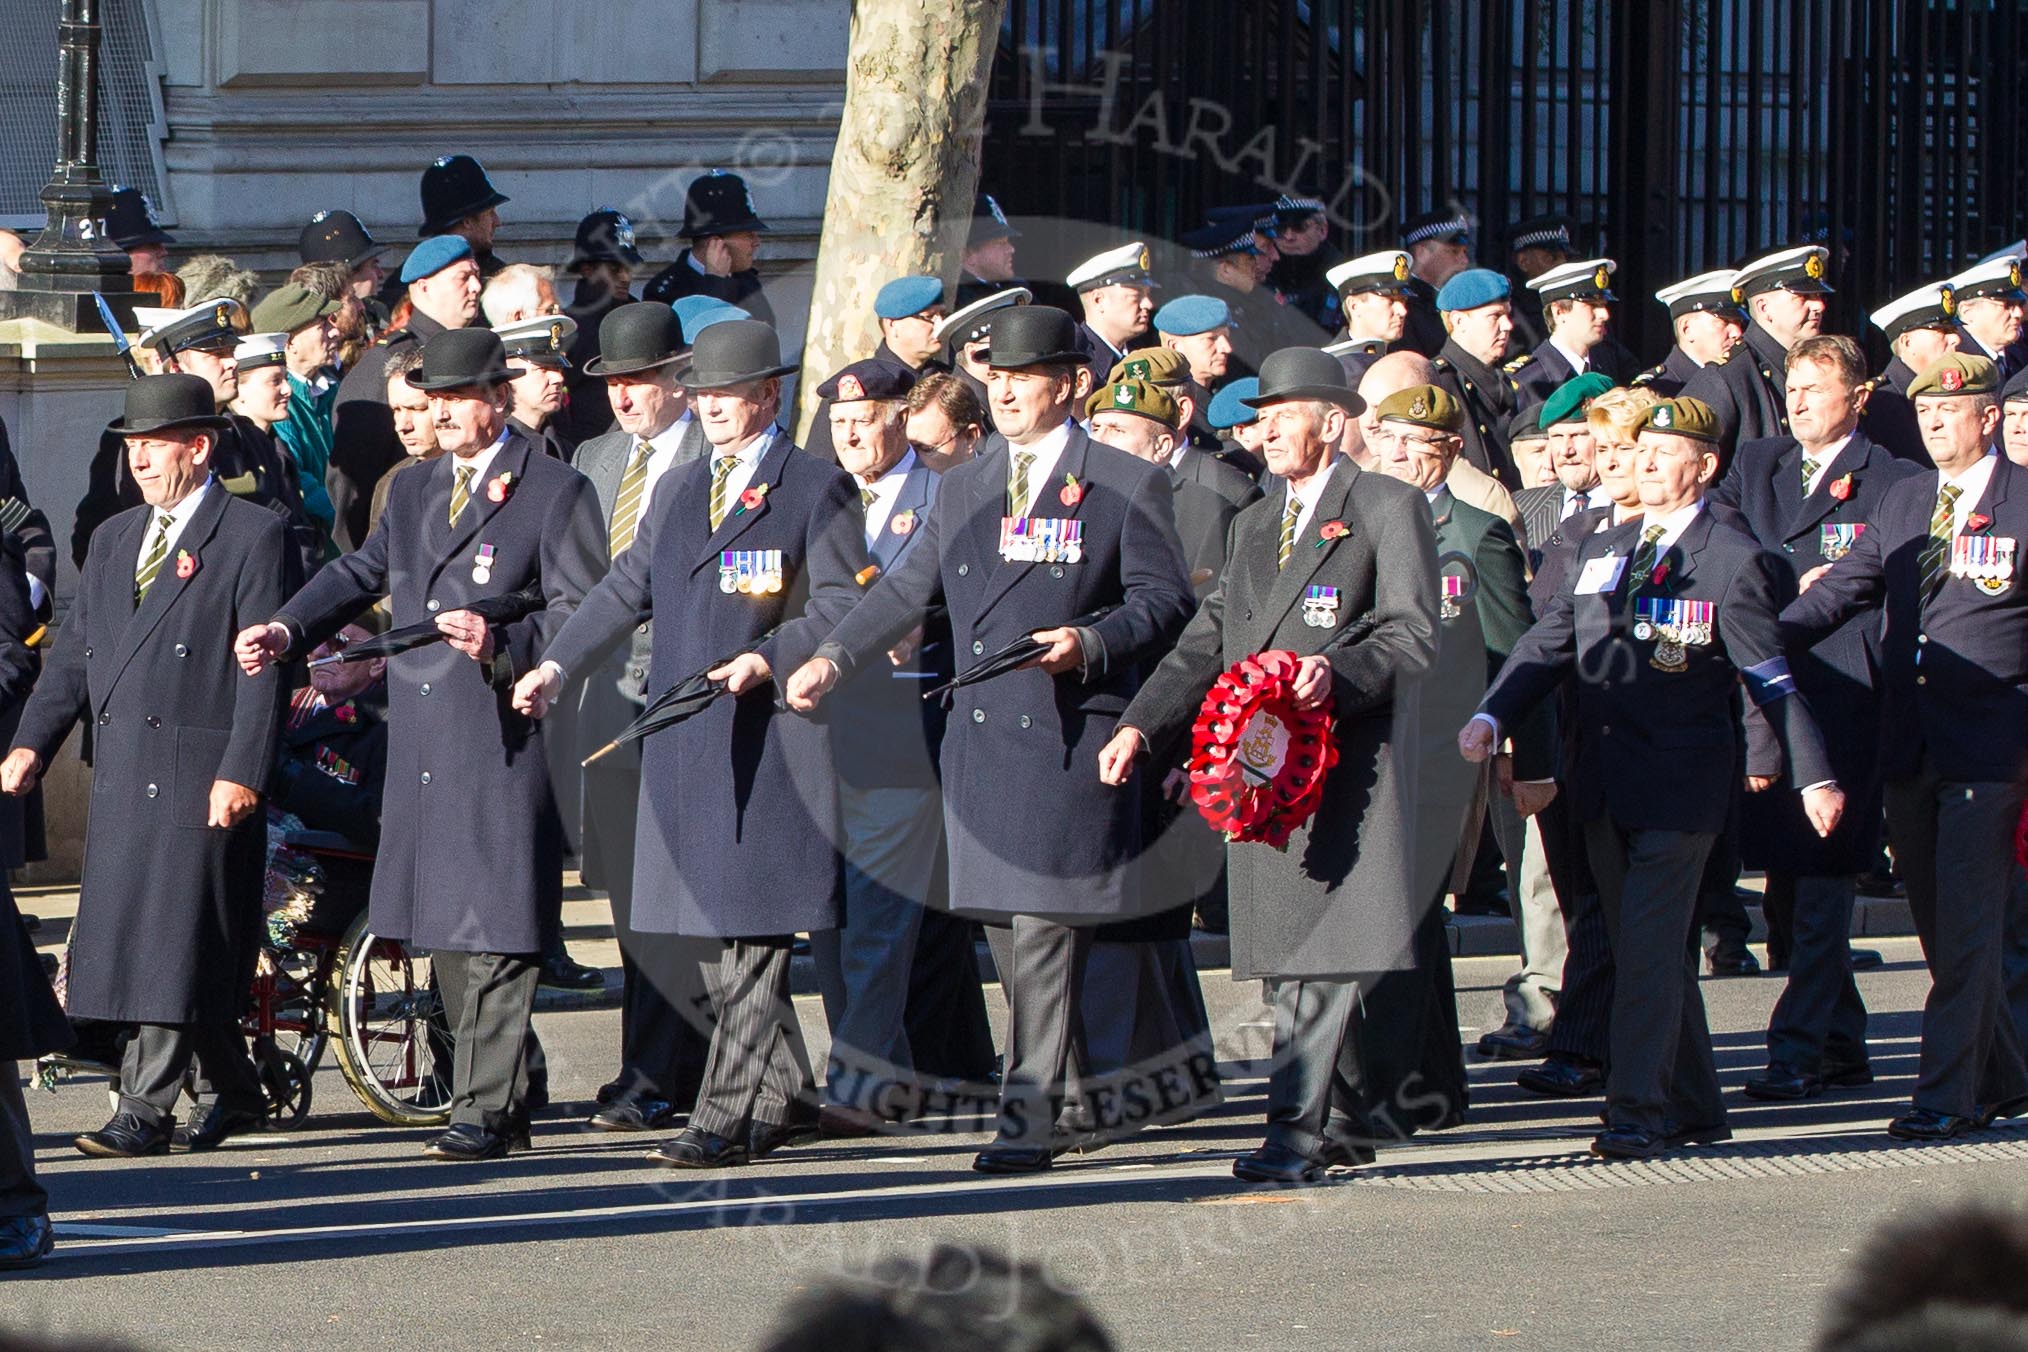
x: 1499, y: 1234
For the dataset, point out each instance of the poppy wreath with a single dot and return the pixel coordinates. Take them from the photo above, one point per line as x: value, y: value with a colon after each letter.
x: 1257, y: 762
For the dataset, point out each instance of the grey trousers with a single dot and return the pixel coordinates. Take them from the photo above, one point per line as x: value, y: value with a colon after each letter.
x: 158, y: 1057
x: 893, y: 838
x: 1042, y: 969
x: 1315, y: 1067
x: 1955, y: 846
x: 1661, y: 1067
x: 758, y: 1069
x: 489, y: 1000
x: 1531, y: 993
x: 1819, y: 1016
x: 20, y: 1193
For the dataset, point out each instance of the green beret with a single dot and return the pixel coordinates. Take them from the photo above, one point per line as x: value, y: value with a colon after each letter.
x: 1425, y: 406
x: 1957, y: 373
x: 291, y: 307
x: 1690, y: 418
x: 1128, y: 395
x: 1157, y: 365
x: 1567, y: 403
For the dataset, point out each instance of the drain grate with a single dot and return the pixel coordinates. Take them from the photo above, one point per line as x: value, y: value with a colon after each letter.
x: 1790, y: 1157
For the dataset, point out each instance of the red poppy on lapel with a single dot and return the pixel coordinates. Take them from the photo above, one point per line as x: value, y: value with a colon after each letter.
x: 1072, y: 492
x: 501, y: 488
x: 1841, y: 489
x: 901, y: 523
x: 345, y: 713
x: 186, y: 564
x: 751, y: 499
x: 1331, y: 530
x: 1976, y: 522
x: 1660, y: 575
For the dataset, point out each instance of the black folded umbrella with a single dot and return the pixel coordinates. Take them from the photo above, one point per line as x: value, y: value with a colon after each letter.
x: 1015, y: 655
x: 682, y: 701
x: 492, y: 609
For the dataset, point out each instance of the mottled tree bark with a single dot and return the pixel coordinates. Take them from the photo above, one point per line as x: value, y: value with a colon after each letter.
x: 906, y: 168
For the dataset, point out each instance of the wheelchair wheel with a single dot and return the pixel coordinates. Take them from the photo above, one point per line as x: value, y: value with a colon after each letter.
x: 285, y: 1083
x: 394, y: 1044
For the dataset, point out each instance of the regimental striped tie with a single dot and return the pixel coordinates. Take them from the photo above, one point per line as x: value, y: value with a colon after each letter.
x: 1644, y: 556
x: 1290, y: 515
x: 865, y: 496
x: 1942, y: 526
x: 461, y: 489
x: 1017, y: 491
x: 1809, y: 473
x: 627, y: 507
x: 721, y: 476
x: 151, y: 562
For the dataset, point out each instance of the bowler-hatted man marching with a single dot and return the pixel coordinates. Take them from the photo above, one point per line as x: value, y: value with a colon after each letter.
x: 471, y: 842
x: 1023, y: 540
x: 1335, y: 546
x: 748, y: 556
x: 169, y: 909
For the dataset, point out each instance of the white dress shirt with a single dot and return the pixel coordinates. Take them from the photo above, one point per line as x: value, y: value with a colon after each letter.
x: 1973, y: 481
x: 1824, y: 458
x: 1047, y: 450
x: 1307, y: 498
x: 1575, y: 500
x: 1578, y: 365
x: 179, y: 517
x: 661, y: 457
x: 886, y: 489
x: 749, y: 457
x: 478, y: 464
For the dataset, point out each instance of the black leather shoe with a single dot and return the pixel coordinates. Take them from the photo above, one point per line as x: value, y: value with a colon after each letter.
x: 210, y: 1125
x: 466, y: 1142
x: 561, y: 972
x: 127, y: 1137
x: 1866, y: 959
x: 1926, y: 1124
x: 1628, y: 1143
x: 1676, y: 1134
x: 1345, y: 1154
x: 635, y: 1114
x: 1988, y: 1113
x: 764, y: 1138
x: 699, y: 1149
x: 1512, y: 1042
x: 1845, y: 1074
x: 1562, y: 1077
x: 24, y: 1241
x: 1783, y: 1083
x: 1874, y: 883
x: 1731, y: 957
x: 1278, y: 1164
x: 998, y: 1158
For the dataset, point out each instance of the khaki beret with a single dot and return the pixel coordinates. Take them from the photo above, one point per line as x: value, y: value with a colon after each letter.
x: 1140, y: 397
x: 1425, y: 406
x: 1957, y: 373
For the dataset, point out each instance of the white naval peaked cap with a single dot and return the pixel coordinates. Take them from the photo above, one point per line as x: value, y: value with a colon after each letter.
x: 1127, y: 264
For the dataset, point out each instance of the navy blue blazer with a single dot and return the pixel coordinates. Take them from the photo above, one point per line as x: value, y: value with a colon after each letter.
x: 1032, y: 830
x: 1954, y: 668
x: 1653, y: 748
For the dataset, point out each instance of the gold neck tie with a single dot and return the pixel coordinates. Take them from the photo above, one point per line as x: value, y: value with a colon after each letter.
x: 1017, y: 492
x: 1942, y: 526
x: 627, y: 506
x: 1290, y: 515
x: 461, y: 489
x: 721, y: 477
x: 151, y: 562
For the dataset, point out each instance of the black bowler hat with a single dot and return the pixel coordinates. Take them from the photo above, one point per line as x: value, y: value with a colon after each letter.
x: 638, y: 336
x: 1304, y: 373
x: 453, y: 188
x: 719, y: 204
x: 158, y: 403
x: 1034, y: 335
x: 605, y: 236
x: 337, y: 237
x: 734, y: 353
x: 461, y: 357
x: 130, y: 220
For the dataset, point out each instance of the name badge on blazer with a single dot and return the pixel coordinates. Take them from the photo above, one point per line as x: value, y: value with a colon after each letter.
x: 1320, y: 607
x: 1673, y: 626
x: 1041, y: 539
x: 750, y: 572
x: 1599, y: 576
x: 1985, y: 561
x: 1836, y: 541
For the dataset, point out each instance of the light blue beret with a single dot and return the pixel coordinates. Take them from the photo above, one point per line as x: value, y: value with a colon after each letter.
x: 1186, y: 315
x: 698, y: 313
x: 905, y: 296
x: 1227, y: 410
x: 1472, y: 288
x: 432, y: 256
